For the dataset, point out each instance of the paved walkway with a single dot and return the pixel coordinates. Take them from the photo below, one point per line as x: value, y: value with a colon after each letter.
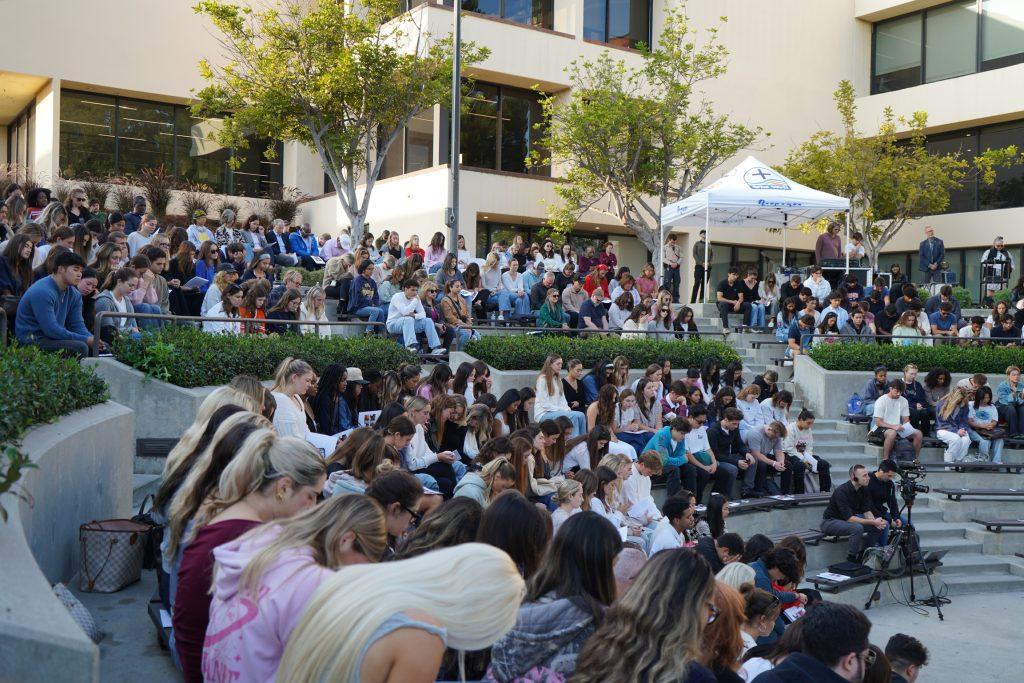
x: 979, y: 636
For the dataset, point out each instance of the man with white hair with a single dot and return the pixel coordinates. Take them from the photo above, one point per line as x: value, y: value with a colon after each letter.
x: 279, y: 245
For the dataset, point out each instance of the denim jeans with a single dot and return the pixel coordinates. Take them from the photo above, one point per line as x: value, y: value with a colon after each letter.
x: 374, y: 314
x: 509, y: 302
x: 578, y: 419
x: 70, y: 347
x: 991, y: 449
x: 464, y: 335
x: 408, y: 328
x: 671, y: 282
x: 149, y: 322
x: 860, y: 535
x: 756, y: 314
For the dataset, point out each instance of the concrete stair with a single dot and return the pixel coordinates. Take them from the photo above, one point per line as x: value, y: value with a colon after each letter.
x: 142, y: 486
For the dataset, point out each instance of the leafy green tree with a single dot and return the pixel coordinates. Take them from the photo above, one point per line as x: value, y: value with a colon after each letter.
x: 889, y: 177
x: 630, y: 140
x: 342, y: 83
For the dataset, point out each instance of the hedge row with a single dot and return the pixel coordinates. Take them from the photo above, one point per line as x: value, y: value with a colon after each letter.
x: 38, y: 387
x: 988, y: 359
x: 528, y: 352
x: 188, y: 357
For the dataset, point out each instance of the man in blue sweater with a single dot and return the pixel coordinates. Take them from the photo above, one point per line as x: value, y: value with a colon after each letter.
x: 50, y: 312
x: 305, y: 247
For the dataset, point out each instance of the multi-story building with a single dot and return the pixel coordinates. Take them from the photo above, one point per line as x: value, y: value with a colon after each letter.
x: 113, y: 101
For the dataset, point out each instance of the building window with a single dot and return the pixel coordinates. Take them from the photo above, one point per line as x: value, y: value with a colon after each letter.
x: 951, y: 40
x: 624, y: 23
x: 102, y: 136
x: 21, y: 143
x: 538, y: 13
x: 413, y: 149
x: 963, y: 143
x: 499, y: 129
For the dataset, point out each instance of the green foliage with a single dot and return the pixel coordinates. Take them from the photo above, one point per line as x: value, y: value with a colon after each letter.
x: 529, y: 352
x: 889, y: 176
x: 61, y: 189
x: 310, y: 278
x: 10, y: 473
x: 38, y: 387
x: 344, y: 83
x: 230, y: 204
x: 963, y: 295
x: 96, y: 190
x: 633, y: 133
x: 195, y: 197
x: 283, y: 203
x: 122, y: 195
x: 1003, y: 295
x: 864, y: 357
x: 188, y: 357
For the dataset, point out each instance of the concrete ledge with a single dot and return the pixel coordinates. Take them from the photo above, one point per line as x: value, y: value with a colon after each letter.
x: 827, y: 392
x: 84, y: 473
x: 162, y: 410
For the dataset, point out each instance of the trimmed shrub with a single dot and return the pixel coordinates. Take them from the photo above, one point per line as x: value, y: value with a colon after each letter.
x: 38, y: 387
x: 963, y: 295
x: 1003, y: 295
x: 991, y: 360
x: 188, y: 357
x: 514, y: 352
x: 310, y: 278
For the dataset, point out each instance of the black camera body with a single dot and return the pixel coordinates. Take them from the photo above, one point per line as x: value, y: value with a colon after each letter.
x: 910, y: 474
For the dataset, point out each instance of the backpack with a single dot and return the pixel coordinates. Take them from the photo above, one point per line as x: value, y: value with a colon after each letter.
x: 903, y: 450
x: 854, y: 405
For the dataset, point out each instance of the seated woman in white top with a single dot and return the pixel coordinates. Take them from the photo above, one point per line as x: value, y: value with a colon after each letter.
x: 753, y: 416
x: 227, y: 307
x: 216, y: 290
x: 618, y: 312
x: 292, y: 381
x: 639, y: 319
x: 604, y: 503
x: 569, y: 498
x: 776, y: 408
x: 314, y: 309
x: 550, y: 399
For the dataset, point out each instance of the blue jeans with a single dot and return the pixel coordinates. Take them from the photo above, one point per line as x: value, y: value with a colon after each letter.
x: 408, y: 327
x: 987, y: 447
x: 578, y: 419
x: 507, y: 302
x: 883, y: 540
x: 756, y: 314
x: 148, y: 322
x: 373, y: 314
x: 464, y: 336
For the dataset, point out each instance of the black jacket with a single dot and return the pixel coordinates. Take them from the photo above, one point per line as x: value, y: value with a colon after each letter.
x: 707, y: 549
x: 800, y: 668
x: 727, y: 447
x: 274, y: 248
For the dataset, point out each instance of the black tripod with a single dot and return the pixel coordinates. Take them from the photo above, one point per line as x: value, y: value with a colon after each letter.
x: 904, y: 541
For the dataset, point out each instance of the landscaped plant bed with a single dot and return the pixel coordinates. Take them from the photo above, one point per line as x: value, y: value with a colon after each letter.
x: 38, y: 387
x: 187, y: 357
x: 957, y: 359
x: 527, y: 352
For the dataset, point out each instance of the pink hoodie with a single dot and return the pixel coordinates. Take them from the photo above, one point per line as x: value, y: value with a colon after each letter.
x: 248, y: 631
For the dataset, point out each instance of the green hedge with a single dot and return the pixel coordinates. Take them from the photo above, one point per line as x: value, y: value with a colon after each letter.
x: 38, y: 387
x: 961, y: 294
x: 188, y: 357
x: 515, y: 352
x: 991, y: 360
x: 310, y: 278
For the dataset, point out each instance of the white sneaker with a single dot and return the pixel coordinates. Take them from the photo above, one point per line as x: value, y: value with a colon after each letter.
x: 439, y: 351
x: 501, y: 317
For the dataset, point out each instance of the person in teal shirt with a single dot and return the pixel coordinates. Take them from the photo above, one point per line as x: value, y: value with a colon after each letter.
x: 551, y: 314
x: 670, y: 443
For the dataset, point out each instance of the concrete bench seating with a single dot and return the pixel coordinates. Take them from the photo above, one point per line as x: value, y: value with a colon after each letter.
x: 993, y: 467
x: 996, y: 525
x: 956, y: 495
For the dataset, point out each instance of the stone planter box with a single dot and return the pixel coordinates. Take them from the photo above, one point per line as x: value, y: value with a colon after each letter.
x: 162, y: 410
x: 827, y: 392
x: 84, y: 473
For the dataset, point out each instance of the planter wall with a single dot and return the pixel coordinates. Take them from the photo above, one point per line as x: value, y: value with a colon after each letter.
x: 827, y: 392
x: 84, y: 473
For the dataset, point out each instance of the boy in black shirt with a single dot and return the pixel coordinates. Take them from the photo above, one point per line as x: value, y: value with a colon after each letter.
x: 849, y: 513
x: 882, y: 496
x: 730, y: 298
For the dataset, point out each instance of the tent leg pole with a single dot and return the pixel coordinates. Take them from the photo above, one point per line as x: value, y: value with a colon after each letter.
x: 847, y: 243
x: 707, y: 250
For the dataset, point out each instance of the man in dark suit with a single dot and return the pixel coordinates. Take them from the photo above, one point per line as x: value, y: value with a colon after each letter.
x: 931, y: 253
x: 279, y: 244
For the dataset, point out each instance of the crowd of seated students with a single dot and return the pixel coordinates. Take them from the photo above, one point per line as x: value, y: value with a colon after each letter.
x: 550, y: 551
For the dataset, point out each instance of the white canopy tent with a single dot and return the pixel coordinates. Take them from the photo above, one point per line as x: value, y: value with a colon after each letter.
x: 753, y: 195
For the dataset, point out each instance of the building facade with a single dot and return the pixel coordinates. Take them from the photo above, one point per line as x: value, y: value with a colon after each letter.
x: 113, y: 107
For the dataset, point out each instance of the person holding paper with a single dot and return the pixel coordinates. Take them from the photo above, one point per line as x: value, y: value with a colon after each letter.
x: 891, y: 420
x: 678, y: 517
x: 636, y: 489
x: 406, y: 316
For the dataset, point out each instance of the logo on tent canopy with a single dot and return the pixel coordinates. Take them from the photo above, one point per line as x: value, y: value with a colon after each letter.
x: 764, y: 178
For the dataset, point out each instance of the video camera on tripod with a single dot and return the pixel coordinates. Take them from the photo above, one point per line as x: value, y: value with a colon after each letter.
x: 910, y: 474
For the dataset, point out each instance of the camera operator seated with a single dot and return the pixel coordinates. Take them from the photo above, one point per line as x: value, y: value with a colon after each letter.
x: 891, y: 420
x: 849, y: 513
x: 882, y: 497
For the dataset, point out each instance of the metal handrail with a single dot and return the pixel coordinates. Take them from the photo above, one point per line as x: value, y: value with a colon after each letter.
x: 876, y: 337
x: 248, y: 322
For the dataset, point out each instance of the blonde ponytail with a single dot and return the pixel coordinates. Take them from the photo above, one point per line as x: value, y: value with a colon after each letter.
x: 218, y: 398
x: 288, y: 367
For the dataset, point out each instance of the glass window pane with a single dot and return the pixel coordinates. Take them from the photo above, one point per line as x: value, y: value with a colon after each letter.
x: 628, y: 22
x: 394, y: 161
x: 515, y: 132
x: 1002, y: 33
x: 419, y: 141
x: 200, y: 159
x: 489, y: 7
x: 964, y: 144
x: 479, y: 127
x: 1008, y: 189
x: 533, y: 12
x: 145, y: 136
x: 86, y: 135
x: 897, y: 53
x: 971, y: 278
x: 595, y: 13
x: 257, y: 175
x: 952, y: 41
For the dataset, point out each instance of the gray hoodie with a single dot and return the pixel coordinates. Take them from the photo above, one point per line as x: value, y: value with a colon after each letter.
x: 472, y: 486
x: 549, y: 634
x: 105, y: 302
